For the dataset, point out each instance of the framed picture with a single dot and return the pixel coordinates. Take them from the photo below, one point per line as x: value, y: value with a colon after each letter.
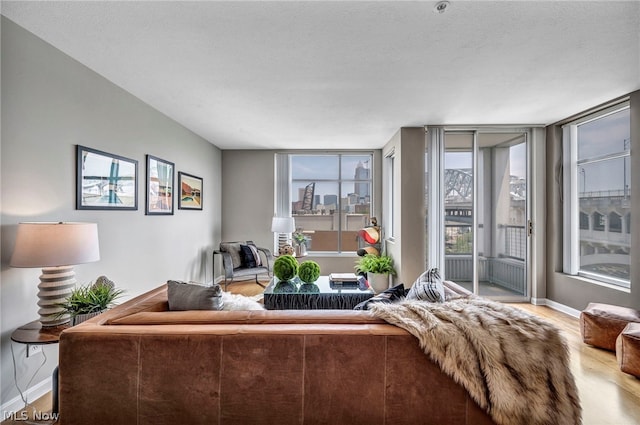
x: 160, y: 174
x: 190, y: 192
x: 105, y: 181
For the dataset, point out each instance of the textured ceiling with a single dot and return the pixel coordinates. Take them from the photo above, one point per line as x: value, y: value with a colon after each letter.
x: 335, y: 74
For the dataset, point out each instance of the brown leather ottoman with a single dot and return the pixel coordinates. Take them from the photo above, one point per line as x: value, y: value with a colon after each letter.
x: 628, y: 349
x: 600, y: 324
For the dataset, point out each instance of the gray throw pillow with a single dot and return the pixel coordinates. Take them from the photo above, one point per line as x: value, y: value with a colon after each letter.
x: 233, y: 248
x: 186, y: 296
x: 428, y: 287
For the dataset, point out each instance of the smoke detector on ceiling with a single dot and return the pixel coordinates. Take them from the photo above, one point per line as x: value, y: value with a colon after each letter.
x: 441, y: 7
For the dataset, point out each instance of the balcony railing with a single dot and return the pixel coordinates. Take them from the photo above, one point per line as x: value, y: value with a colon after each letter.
x: 515, y: 242
x: 508, y: 273
x: 506, y: 270
x: 459, y: 240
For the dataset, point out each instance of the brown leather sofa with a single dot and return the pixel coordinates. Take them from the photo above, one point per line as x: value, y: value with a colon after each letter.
x: 141, y: 364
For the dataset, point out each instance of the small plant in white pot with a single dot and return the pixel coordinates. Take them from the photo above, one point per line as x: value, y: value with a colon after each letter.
x: 90, y: 300
x: 378, y: 269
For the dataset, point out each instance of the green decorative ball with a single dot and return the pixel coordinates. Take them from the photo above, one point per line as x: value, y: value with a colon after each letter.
x: 285, y: 267
x: 309, y: 271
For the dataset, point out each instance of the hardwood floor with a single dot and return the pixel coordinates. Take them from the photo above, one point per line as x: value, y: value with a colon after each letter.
x: 608, y: 396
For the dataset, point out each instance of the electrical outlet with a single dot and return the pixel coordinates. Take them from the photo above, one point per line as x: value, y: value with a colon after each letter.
x: 33, y: 349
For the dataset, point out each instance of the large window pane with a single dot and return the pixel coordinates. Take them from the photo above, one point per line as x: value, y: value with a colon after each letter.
x: 604, y: 136
x: 331, y: 199
x: 318, y: 167
x: 603, y: 180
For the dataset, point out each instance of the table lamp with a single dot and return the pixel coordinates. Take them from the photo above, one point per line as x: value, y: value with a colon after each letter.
x: 283, y: 226
x: 56, y: 248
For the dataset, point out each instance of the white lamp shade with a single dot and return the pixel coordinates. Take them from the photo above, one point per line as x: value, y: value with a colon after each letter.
x: 55, y: 244
x: 283, y: 225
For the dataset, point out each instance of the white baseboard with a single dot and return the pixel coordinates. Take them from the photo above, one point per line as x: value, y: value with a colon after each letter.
x: 556, y: 306
x: 538, y: 301
x: 31, y: 394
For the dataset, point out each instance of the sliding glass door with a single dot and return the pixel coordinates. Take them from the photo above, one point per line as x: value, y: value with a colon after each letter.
x: 459, y: 215
x: 484, y: 211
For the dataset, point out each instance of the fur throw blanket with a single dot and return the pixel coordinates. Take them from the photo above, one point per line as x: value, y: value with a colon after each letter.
x: 513, y: 364
x: 240, y: 302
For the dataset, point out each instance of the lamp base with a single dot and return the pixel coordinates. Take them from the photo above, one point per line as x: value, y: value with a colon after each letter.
x: 56, y: 284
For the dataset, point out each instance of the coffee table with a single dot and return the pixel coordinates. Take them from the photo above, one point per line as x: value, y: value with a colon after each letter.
x: 327, y: 297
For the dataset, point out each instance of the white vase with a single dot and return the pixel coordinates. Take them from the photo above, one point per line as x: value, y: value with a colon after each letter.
x: 379, y: 282
x: 79, y: 318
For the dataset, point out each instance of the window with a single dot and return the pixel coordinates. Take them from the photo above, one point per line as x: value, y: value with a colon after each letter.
x: 390, y: 190
x: 596, y: 186
x: 330, y: 197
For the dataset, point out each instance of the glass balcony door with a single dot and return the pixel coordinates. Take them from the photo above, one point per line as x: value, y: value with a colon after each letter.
x: 485, y: 220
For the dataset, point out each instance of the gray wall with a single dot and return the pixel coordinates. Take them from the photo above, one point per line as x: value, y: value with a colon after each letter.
x: 51, y: 103
x: 408, y: 247
x: 538, y: 205
x: 248, y: 196
x: 572, y: 291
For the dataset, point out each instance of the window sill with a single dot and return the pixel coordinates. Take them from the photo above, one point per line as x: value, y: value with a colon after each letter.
x: 330, y: 254
x: 599, y: 283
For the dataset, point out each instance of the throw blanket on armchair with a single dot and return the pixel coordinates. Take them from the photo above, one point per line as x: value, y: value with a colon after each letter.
x: 513, y: 364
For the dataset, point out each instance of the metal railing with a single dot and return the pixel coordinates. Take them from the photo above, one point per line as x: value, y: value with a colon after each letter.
x: 459, y: 240
x: 515, y: 242
x: 506, y: 270
x: 508, y: 273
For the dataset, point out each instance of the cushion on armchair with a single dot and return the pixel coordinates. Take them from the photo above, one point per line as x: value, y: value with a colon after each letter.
x: 234, y: 250
x: 250, y: 256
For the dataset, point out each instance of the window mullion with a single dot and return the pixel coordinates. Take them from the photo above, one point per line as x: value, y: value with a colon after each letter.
x: 340, y: 206
x: 571, y: 252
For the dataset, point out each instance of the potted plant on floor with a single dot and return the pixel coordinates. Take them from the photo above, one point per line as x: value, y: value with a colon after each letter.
x: 378, y: 268
x: 88, y: 301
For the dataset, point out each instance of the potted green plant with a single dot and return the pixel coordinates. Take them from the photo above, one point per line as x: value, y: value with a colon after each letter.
x: 301, y: 241
x: 87, y: 301
x: 378, y: 268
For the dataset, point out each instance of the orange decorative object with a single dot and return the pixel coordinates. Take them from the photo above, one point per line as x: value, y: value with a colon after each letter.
x: 369, y: 235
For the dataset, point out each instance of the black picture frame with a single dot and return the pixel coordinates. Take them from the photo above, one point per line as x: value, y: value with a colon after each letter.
x: 190, y: 187
x: 105, y: 181
x: 159, y: 187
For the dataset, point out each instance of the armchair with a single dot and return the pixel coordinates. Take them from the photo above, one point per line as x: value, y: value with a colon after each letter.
x: 236, y: 266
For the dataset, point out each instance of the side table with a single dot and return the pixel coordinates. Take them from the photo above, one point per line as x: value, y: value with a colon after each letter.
x: 34, y: 333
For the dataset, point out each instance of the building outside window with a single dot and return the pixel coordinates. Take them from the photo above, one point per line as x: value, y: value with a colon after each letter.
x: 330, y: 198
x: 597, y: 186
